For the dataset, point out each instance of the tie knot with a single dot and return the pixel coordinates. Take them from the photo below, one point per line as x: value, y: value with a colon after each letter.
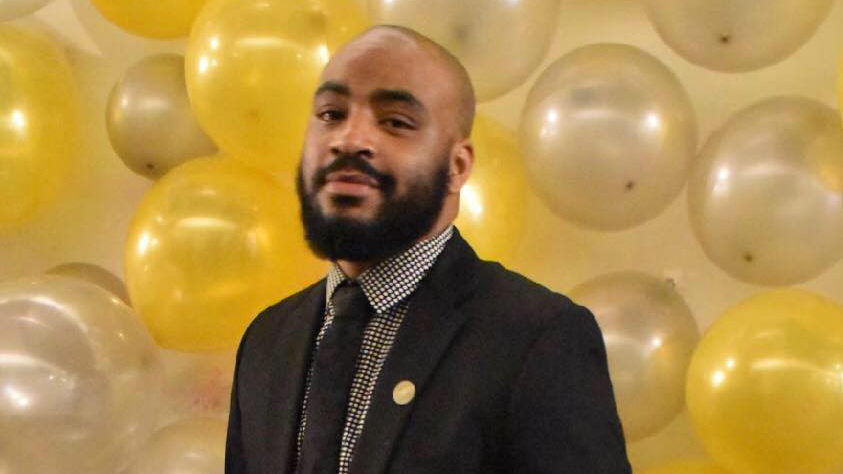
x: 350, y: 302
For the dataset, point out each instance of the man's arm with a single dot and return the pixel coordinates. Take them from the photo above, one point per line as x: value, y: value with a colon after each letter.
x: 235, y: 458
x: 563, y: 417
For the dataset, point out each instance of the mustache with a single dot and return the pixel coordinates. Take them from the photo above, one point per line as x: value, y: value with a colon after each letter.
x: 352, y: 161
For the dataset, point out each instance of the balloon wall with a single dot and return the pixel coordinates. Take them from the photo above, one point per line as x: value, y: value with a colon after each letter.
x: 674, y: 165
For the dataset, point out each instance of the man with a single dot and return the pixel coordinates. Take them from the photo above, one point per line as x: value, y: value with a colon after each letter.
x: 437, y: 362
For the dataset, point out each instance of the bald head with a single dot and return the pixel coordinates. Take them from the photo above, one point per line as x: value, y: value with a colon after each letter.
x: 454, y: 70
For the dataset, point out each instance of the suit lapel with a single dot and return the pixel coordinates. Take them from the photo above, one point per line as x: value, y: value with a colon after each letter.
x: 433, y: 319
x: 288, y: 366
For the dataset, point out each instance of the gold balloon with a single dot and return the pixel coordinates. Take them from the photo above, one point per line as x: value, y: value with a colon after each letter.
x: 93, y: 274
x: 687, y: 466
x: 252, y: 67
x: 38, y: 123
x: 493, y: 201
x: 212, y: 244
x: 152, y: 19
x: 765, y: 385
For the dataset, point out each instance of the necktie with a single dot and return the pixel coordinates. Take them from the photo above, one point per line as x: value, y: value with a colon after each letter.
x: 333, y: 369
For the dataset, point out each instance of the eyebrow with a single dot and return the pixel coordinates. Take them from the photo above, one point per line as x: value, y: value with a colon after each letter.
x: 331, y: 86
x: 396, y: 95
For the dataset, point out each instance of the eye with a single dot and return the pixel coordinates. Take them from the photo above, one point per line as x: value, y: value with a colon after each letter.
x: 330, y: 115
x: 397, y: 122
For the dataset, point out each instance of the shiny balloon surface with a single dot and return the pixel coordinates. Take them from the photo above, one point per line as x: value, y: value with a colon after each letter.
x: 736, y: 35
x: 189, y: 446
x: 765, y: 385
x: 153, y: 19
x: 39, y: 126
x: 211, y: 245
x: 500, y: 42
x: 766, y: 195
x: 252, y: 67
x: 650, y: 335
x: 80, y: 377
x: 493, y: 201
x: 608, y: 134
x: 93, y: 274
x: 149, y: 120
x: 12, y: 9
x: 687, y: 466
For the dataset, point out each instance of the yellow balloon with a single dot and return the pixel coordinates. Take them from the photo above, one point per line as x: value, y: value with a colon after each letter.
x: 152, y: 19
x: 38, y: 123
x: 211, y: 245
x: 687, y: 466
x: 493, y: 201
x: 765, y: 385
x: 252, y: 66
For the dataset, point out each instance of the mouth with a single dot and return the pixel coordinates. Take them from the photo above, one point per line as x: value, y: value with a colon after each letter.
x: 350, y: 183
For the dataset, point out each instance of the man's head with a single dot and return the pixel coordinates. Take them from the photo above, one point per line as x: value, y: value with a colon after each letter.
x: 387, y: 146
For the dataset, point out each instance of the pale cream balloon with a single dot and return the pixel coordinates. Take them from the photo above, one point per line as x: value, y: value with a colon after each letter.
x: 149, y: 120
x: 608, y: 134
x: 11, y: 9
x: 766, y: 196
x: 197, y: 384
x: 93, y: 274
x: 736, y: 35
x: 500, y: 42
x: 189, y: 446
x: 80, y: 374
x: 650, y: 334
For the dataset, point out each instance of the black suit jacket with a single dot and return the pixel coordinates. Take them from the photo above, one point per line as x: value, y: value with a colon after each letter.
x: 510, y: 378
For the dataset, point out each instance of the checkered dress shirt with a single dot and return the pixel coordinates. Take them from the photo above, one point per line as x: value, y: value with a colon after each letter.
x: 387, y: 286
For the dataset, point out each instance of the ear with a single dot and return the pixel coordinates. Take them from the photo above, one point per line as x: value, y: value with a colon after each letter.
x: 461, y: 163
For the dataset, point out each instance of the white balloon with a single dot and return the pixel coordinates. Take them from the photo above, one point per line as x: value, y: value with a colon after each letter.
x: 736, y: 35
x: 608, y: 134
x: 11, y: 9
x: 80, y: 377
x: 766, y: 195
x: 500, y: 42
x: 189, y: 446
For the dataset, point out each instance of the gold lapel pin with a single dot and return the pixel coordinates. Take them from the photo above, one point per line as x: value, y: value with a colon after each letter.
x: 403, y: 392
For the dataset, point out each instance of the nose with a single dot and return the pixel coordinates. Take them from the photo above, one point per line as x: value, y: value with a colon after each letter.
x: 355, y: 136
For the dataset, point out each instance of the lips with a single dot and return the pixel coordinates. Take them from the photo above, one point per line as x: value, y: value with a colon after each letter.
x: 352, y: 178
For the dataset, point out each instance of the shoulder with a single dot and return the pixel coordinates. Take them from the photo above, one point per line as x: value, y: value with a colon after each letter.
x: 510, y: 299
x: 270, y: 321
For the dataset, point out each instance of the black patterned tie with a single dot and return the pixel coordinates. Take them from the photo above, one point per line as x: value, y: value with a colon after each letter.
x: 333, y: 369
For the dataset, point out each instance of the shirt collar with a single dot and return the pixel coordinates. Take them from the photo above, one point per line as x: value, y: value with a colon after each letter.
x: 395, y: 278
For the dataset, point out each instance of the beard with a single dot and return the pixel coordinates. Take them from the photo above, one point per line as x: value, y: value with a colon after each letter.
x: 398, y: 223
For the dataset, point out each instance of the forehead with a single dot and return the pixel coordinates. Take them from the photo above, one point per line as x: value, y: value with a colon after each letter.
x: 389, y: 60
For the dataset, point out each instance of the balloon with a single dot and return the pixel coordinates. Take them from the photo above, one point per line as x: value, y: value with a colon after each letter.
x: 93, y: 274
x: 152, y: 19
x: 493, y: 200
x: 38, y: 130
x: 608, y: 133
x: 500, y: 42
x: 765, y: 385
x: 12, y: 9
x: 687, y: 466
x: 650, y: 334
x: 190, y: 446
x: 733, y: 36
x: 766, y: 195
x: 198, y: 383
x: 252, y: 67
x: 149, y: 120
x: 80, y: 377
x: 212, y: 244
